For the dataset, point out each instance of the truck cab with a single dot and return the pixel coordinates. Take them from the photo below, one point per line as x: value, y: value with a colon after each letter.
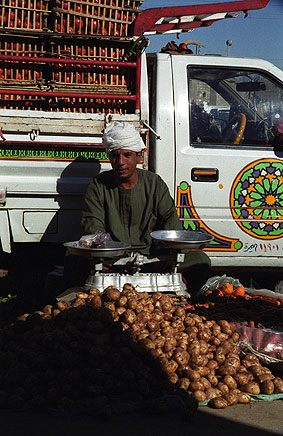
x: 221, y: 119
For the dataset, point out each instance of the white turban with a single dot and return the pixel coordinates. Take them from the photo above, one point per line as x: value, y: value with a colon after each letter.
x: 122, y: 135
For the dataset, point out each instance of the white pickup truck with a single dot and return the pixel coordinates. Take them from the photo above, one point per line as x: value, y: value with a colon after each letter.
x: 212, y: 128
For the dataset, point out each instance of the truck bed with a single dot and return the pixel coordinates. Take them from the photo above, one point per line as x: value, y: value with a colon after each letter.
x: 65, y: 124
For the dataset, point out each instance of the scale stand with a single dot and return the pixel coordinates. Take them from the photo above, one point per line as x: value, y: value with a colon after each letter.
x: 112, y: 256
x: 143, y: 282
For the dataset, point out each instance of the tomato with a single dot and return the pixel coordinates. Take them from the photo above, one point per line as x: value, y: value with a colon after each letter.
x: 60, y: 28
x: 78, y: 23
x: 93, y: 25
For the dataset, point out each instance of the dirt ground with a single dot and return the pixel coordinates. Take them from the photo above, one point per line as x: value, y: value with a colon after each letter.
x: 257, y: 419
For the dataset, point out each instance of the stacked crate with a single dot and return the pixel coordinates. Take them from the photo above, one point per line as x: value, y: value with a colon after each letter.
x: 22, y: 15
x: 97, y: 69
x: 73, y: 52
x: 81, y: 17
x: 19, y: 71
x: 95, y: 17
x: 16, y: 70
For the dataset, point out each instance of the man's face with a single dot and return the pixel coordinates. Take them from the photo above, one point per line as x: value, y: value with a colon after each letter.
x: 124, y: 163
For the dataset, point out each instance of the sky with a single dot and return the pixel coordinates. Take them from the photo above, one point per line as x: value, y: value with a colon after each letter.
x: 260, y: 35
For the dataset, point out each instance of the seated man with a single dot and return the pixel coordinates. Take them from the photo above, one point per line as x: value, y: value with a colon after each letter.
x: 129, y: 203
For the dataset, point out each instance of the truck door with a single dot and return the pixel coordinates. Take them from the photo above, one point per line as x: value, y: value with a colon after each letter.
x: 229, y: 178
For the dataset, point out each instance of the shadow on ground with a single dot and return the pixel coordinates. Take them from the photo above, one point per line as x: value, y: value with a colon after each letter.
x: 257, y: 420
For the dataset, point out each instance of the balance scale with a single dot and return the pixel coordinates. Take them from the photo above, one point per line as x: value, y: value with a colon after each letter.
x: 115, y: 264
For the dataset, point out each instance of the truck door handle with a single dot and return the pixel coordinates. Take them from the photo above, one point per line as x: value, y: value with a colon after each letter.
x: 204, y: 174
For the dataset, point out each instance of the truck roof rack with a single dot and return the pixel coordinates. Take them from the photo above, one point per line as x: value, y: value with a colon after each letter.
x: 178, y: 19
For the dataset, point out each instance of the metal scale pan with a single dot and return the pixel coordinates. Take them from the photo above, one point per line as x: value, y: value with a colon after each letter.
x: 110, y: 249
x: 182, y: 239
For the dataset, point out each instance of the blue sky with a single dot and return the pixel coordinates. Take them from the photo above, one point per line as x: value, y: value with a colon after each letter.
x: 260, y: 35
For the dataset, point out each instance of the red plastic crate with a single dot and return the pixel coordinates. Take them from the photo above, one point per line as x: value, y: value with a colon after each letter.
x: 96, y: 17
x: 24, y: 14
x: 17, y: 72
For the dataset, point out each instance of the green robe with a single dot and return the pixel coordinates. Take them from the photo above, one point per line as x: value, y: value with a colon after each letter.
x: 129, y: 215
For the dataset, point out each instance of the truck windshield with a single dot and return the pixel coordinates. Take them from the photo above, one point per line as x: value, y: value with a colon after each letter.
x: 233, y: 106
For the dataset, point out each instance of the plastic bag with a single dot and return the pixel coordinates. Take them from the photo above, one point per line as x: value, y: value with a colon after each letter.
x: 266, y: 344
x: 97, y: 239
x: 214, y: 283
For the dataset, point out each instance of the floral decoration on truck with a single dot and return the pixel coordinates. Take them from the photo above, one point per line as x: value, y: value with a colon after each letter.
x: 192, y: 221
x: 256, y: 199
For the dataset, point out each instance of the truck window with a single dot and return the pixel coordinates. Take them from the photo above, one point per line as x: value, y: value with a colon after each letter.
x: 233, y: 106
